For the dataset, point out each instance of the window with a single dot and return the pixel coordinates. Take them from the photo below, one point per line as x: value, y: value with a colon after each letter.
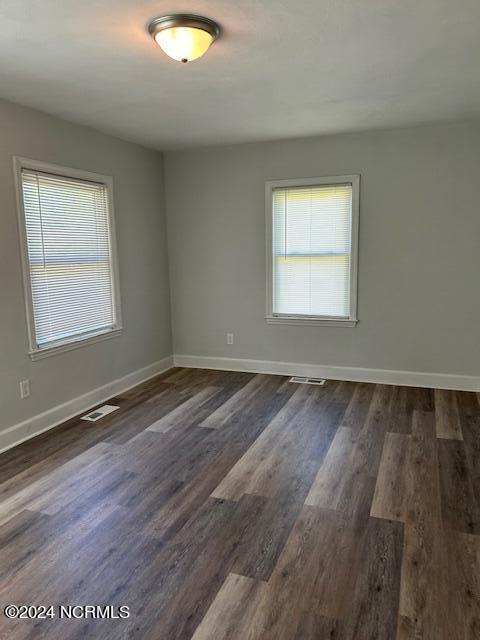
x: 312, y: 236
x: 68, y: 252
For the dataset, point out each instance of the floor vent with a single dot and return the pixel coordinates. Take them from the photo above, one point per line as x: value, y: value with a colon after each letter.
x: 300, y: 380
x: 95, y: 415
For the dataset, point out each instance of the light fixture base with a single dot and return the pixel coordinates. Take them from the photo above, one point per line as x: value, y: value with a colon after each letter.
x: 184, y: 20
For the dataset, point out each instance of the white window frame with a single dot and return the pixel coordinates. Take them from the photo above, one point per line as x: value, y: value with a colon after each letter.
x: 313, y: 320
x: 34, y: 351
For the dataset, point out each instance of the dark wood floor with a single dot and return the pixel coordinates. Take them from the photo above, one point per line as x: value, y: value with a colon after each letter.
x: 222, y: 505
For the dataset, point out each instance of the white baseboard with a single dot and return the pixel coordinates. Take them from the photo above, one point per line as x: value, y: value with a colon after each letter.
x: 354, y: 374
x: 22, y: 431
x: 32, y: 427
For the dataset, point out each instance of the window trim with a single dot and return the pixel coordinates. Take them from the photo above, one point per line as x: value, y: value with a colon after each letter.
x: 34, y: 350
x: 330, y: 321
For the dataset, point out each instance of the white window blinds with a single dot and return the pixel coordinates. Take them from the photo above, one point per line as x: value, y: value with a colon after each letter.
x: 312, y: 246
x: 67, y: 229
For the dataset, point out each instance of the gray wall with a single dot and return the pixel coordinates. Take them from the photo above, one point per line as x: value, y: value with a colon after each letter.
x: 419, y: 302
x: 140, y: 224
x: 419, y: 306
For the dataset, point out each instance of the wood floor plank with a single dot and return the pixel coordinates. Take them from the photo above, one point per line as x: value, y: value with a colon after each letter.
x: 135, y: 420
x: 423, y: 588
x: 243, y: 396
x: 443, y: 567
x: 176, y: 511
x: 471, y: 431
x: 347, y: 511
x: 374, y: 606
x: 400, y: 409
x: 249, y: 421
x: 257, y: 554
x: 186, y: 578
x: 318, y: 564
x: 253, y: 466
x: 68, y: 537
x: 468, y: 403
x: 460, y: 508
x: 464, y: 564
x: 424, y: 597
x: 391, y: 492
x: 360, y: 473
x: 423, y: 489
x: 358, y: 407
x: 293, y: 443
x: 22, y: 536
x: 184, y: 412
x: 231, y: 611
x: 447, y: 415
x: 370, y: 439
x: 48, y: 493
x: 328, y: 484
x: 306, y: 577
x: 344, y: 391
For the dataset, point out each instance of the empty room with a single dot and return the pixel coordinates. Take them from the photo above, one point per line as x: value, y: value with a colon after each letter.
x: 239, y: 320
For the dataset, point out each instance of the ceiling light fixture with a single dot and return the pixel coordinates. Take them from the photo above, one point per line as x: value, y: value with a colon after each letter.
x: 184, y: 37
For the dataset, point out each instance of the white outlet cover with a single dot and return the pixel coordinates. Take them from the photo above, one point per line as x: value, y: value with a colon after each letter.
x: 24, y: 388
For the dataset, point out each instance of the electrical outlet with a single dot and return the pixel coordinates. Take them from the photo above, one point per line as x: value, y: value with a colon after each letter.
x: 24, y: 388
x: 229, y: 338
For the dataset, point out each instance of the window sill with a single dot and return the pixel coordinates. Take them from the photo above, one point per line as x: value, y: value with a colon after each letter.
x: 39, y: 354
x: 312, y: 322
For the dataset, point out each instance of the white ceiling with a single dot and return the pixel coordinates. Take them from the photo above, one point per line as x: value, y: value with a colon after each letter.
x: 282, y: 68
